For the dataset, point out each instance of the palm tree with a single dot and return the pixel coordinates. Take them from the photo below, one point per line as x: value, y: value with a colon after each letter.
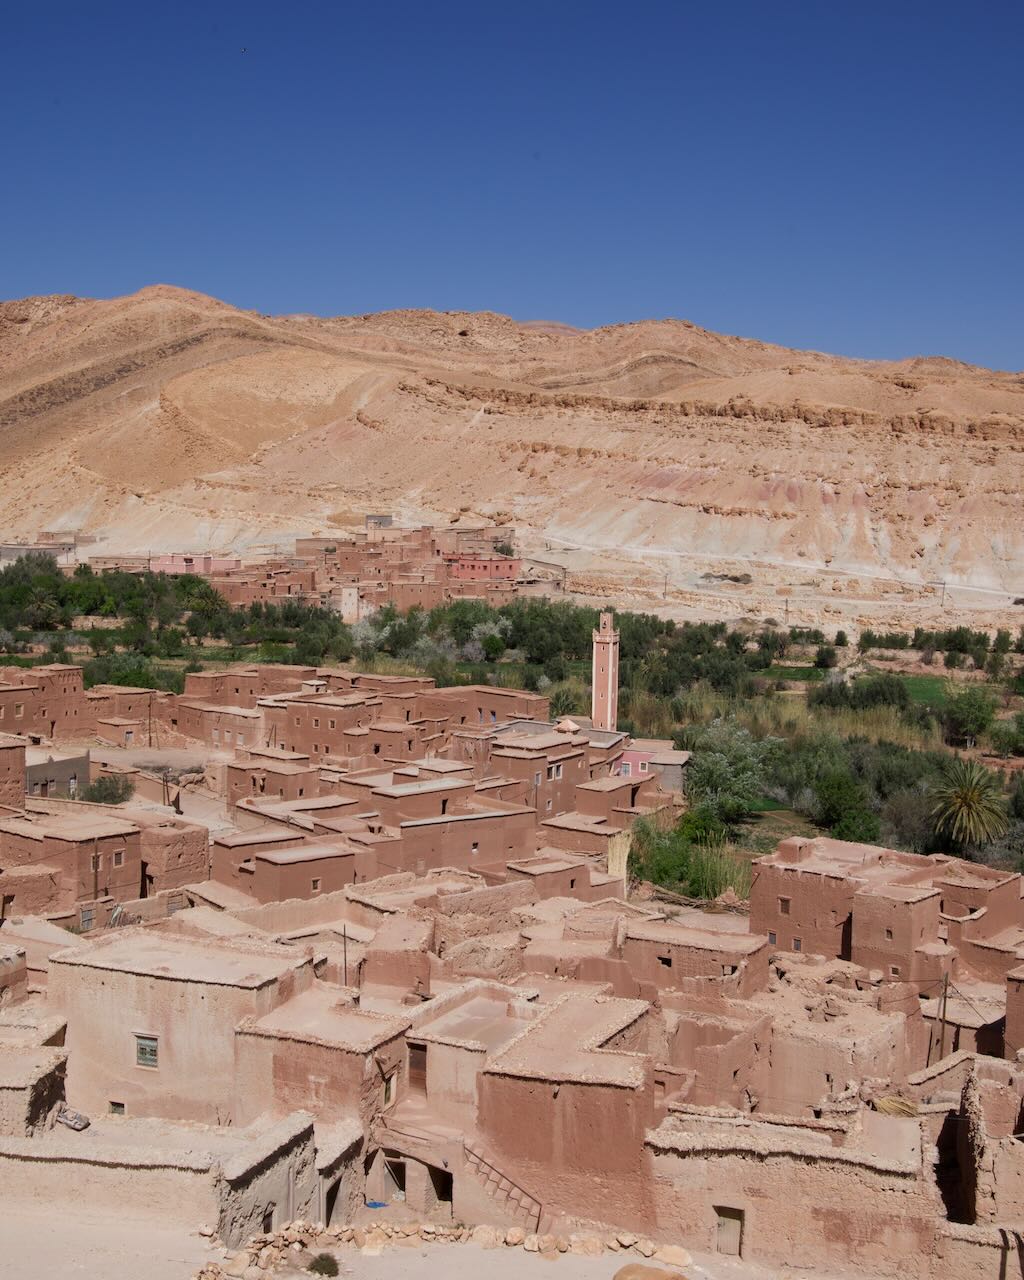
x: 969, y: 805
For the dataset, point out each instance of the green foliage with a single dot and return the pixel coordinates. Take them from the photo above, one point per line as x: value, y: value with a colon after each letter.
x: 109, y: 789
x: 968, y: 804
x: 868, y: 691
x: 729, y: 770
x: 842, y: 640
x: 324, y: 1264
x: 1017, y: 799
x: 691, y: 858
x: 826, y: 657
x: 970, y: 710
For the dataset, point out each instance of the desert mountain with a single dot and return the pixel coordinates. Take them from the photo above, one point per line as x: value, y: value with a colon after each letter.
x: 168, y: 419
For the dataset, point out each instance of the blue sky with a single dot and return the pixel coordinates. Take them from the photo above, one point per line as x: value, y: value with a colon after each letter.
x: 847, y: 177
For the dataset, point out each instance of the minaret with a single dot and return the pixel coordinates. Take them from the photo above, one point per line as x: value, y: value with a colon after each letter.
x: 604, y: 678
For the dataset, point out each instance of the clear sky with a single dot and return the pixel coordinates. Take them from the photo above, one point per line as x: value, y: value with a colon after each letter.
x: 843, y: 176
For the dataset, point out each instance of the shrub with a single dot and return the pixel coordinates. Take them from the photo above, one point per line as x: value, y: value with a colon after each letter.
x: 826, y: 656
x: 109, y: 789
x: 324, y: 1264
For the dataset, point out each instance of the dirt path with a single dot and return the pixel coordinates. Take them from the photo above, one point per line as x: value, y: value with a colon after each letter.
x: 56, y: 1240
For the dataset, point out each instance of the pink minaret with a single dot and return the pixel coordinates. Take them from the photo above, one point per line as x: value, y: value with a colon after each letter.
x: 604, y: 679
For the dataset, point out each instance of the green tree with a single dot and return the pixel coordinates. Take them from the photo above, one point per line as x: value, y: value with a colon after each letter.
x: 729, y: 769
x: 969, y: 712
x: 969, y: 806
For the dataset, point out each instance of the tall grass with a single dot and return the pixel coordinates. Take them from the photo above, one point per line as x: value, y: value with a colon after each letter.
x: 713, y: 868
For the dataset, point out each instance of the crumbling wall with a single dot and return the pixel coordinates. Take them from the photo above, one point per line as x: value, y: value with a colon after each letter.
x: 277, y: 1178
x: 801, y: 1207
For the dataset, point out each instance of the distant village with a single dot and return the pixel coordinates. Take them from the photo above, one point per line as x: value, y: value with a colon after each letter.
x: 382, y: 953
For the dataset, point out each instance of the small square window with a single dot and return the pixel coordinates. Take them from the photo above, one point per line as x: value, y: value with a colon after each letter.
x: 783, y: 906
x: 87, y: 918
x: 96, y: 861
x: 118, y: 857
x: 797, y: 944
x: 314, y: 884
x: 643, y: 766
x: 117, y: 1108
x: 474, y: 848
x: 888, y: 935
x: 772, y: 938
x: 146, y: 1054
x: 666, y: 961
x: 332, y: 724
x: 894, y: 971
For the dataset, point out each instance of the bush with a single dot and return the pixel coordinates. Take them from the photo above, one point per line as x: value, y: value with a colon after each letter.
x: 826, y: 656
x: 109, y: 789
x: 324, y: 1264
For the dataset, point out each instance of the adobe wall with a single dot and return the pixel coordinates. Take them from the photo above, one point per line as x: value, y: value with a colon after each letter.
x: 886, y: 933
x: 193, y: 1021
x: 279, y: 1074
x: 12, y: 774
x: 175, y: 1187
x: 827, y: 1209
x: 276, y: 1175
x: 576, y: 1131
x: 819, y: 906
x: 26, y: 1106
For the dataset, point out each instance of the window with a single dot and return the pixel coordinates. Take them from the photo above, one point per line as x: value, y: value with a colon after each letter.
x: 626, y: 769
x: 536, y: 779
x: 558, y: 770
x: 888, y: 935
x: 87, y: 918
x: 314, y: 884
x: 772, y: 939
x: 894, y: 971
x: 572, y: 882
x: 117, y: 1108
x: 118, y: 857
x: 474, y: 848
x: 331, y: 724
x: 389, y: 1088
x: 146, y: 1051
x: 643, y: 766
x: 19, y: 710
x: 666, y: 961
x: 797, y: 944
x: 96, y: 861
x: 783, y: 906
x: 551, y: 772
x: 316, y: 723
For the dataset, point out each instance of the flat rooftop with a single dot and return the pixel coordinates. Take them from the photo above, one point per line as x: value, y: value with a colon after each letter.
x: 564, y: 1043
x: 321, y: 1014
x: 153, y: 954
x: 74, y: 828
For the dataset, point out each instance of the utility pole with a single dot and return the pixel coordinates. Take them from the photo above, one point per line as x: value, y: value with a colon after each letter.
x: 942, y: 1016
x: 344, y: 952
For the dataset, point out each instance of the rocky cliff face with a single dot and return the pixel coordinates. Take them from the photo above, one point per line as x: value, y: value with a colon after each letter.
x: 168, y: 419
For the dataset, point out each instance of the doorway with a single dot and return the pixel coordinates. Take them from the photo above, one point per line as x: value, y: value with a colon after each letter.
x: 418, y: 1069
x: 331, y: 1201
x: 730, y: 1230
x: 394, y: 1180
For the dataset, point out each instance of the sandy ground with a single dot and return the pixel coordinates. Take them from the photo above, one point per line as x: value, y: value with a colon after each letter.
x: 468, y: 1262
x: 46, y: 1240
x: 37, y: 1241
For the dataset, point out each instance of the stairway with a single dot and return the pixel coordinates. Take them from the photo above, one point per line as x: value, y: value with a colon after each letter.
x: 510, y: 1198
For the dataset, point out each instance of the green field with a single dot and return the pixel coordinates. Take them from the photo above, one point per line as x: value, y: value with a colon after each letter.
x: 795, y: 673
x: 927, y: 690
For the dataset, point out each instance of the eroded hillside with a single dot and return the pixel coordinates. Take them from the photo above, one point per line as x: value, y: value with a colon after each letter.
x: 643, y: 455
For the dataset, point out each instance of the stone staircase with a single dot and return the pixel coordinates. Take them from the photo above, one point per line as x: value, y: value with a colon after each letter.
x: 510, y: 1198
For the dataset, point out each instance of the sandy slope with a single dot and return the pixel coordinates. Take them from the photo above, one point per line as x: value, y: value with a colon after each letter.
x: 168, y: 419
